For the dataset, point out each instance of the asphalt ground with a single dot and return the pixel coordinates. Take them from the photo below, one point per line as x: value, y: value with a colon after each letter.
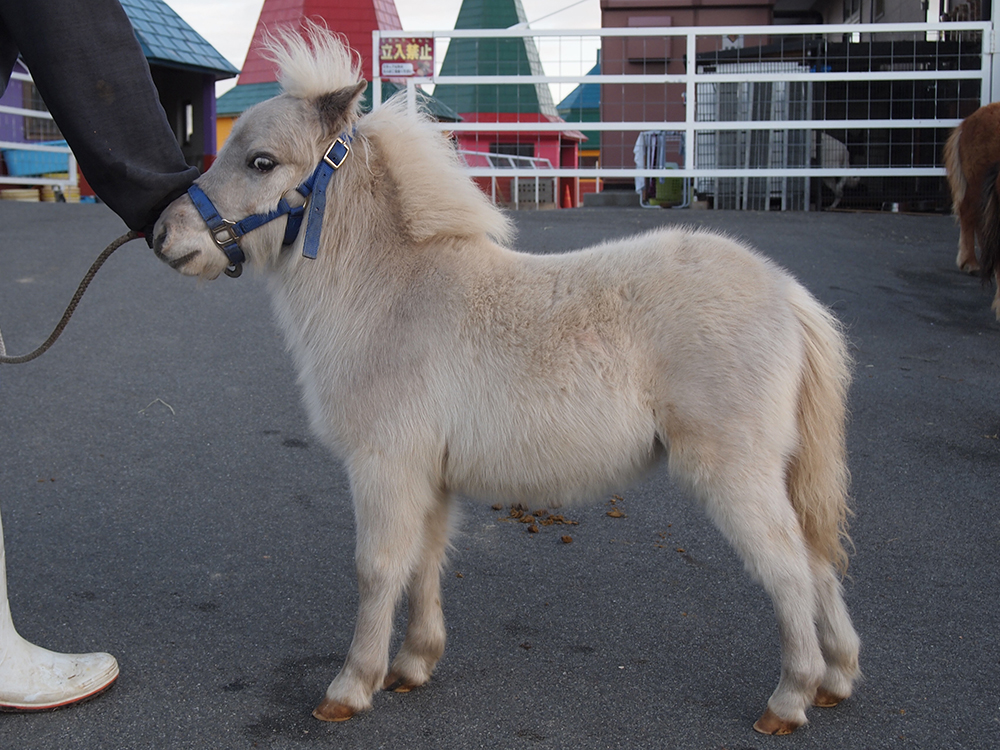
x: 163, y: 500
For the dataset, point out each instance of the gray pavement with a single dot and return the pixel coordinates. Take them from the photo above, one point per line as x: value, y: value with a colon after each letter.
x: 163, y: 500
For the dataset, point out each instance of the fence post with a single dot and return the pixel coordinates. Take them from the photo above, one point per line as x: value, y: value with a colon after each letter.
x: 376, y: 70
x: 411, y: 96
x: 690, y: 92
x: 991, y: 51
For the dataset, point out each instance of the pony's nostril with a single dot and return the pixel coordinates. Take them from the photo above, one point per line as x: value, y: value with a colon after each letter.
x: 158, y: 242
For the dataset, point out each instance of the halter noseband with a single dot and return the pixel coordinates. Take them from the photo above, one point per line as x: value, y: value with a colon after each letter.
x: 227, y: 234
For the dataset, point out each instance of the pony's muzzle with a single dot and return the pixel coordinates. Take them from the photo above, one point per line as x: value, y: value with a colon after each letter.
x: 180, y: 241
x: 160, y: 241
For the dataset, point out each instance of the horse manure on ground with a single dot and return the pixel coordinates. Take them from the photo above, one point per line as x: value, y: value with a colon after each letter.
x: 615, y: 511
x: 535, y: 518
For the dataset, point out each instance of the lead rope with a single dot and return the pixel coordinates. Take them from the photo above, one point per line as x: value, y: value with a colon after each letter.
x: 5, y: 360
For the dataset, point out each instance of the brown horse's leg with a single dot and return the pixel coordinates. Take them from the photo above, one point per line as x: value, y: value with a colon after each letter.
x: 996, y: 297
x: 966, y: 260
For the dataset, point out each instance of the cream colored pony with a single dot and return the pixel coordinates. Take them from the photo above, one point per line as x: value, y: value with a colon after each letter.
x: 435, y: 362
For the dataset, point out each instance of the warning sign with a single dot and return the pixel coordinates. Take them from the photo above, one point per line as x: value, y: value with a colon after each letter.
x: 404, y: 57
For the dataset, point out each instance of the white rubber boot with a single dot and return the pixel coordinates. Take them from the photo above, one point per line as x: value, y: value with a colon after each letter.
x: 35, y: 679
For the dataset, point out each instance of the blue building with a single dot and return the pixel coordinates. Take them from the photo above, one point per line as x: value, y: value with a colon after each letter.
x: 184, y: 68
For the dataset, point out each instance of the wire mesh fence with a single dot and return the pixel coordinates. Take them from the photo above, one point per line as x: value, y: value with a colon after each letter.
x: 754, y: 117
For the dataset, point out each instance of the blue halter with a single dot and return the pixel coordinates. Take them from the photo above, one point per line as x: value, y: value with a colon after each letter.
x: 227, y: 234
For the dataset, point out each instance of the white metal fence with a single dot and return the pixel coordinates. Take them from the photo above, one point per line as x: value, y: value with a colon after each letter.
x: 765, y: 117
x: 780, y: 115
x: 51, y: 161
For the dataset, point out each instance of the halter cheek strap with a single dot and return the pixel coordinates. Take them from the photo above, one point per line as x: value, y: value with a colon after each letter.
x: 227, y: 234
x: 332, y: 160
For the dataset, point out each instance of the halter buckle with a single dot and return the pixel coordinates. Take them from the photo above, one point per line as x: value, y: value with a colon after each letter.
x: 225, y: 235
x: 342, y: 148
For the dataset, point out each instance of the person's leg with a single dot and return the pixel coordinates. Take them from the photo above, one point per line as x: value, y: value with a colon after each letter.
x: 33, y: 678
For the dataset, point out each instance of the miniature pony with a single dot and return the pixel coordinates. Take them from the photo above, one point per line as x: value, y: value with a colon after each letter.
x: 834, y: 153
x: 435, y: 362
x: 972, y: 158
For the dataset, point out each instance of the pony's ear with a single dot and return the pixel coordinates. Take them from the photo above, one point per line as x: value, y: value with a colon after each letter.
x: 338, y: 106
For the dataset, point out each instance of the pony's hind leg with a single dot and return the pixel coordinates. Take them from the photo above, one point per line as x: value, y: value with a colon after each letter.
x: 752, y: 509
x: 838, y: 640
x: 425, y: 633
x: 390, y: 505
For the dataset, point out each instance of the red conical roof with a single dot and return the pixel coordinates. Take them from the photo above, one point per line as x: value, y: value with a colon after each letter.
x: 355, y: 19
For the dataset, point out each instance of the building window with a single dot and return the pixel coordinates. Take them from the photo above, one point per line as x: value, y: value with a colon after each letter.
x: 513, y: 149
x: 37, y: 128
x: 512, y: 155
x: 188, y: 123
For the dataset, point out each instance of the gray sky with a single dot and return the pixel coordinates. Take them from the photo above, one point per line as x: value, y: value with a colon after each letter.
x: 229, y: 24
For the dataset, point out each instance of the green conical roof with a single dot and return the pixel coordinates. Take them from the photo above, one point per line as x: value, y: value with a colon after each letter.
x: 506, y: 57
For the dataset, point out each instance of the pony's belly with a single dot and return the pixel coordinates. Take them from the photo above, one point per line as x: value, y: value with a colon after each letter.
x: 552, y: 468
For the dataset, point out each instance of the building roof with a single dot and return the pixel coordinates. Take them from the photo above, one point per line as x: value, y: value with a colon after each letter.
x: 583, y: 104
x: 485, y: 57
x: 355, y: 19
x: 584, y: 96
x: 244, y: 95
x: 166, y: 39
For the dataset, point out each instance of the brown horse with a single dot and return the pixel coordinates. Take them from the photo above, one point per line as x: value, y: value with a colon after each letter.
x: 972, y: 158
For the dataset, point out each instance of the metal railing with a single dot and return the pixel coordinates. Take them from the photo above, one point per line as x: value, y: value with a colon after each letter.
x: 511, y: 164
x: 838, y: 88
x: 25, y: 148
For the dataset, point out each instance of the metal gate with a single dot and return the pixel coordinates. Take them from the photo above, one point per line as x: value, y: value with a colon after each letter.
x: 862, y: 110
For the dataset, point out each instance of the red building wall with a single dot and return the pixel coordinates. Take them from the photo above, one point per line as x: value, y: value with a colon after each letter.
x: 355, y: 19
x: 659, y: 55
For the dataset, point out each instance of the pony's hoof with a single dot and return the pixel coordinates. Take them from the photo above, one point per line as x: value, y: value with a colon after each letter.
x: 397, y: 684
x: 771, y: 723
x: 970, y: 268
x: 330, y: 710
x: 826, y: 699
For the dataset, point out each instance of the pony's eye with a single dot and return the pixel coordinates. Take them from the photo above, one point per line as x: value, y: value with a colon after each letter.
x: 263, y: 163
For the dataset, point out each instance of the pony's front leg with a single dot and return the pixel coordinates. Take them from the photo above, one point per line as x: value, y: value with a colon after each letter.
x: 390, y: 508
x: 425, y: 633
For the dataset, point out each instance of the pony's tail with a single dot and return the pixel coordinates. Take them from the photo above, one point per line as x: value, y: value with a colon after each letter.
x: 989, y: 230
x: 953, y: 166
x: 818, y: 476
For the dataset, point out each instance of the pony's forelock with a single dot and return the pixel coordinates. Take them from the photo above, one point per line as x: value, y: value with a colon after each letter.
x: 312, y: 62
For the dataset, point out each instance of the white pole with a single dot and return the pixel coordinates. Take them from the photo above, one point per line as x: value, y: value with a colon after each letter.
x: 990, y: 48
x: 411, y: 97
x: 376, y: 70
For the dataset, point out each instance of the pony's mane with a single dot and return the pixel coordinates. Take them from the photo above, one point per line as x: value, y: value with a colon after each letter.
x: 436, y: 196
x: 312, y: 63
